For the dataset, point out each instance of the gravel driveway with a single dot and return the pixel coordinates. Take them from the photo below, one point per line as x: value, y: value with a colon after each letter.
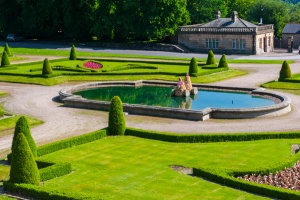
x: 62, y: 122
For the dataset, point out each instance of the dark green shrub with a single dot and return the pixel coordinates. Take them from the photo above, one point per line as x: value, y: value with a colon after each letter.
x: 23, y: 166
x: 46, y: 67
x: 5, y: 61
x: 285, y: 71
x: 210, y: 58
x: 6, y: 49
x: 193, y: 66
x: 50, y: 170
x: 116, y: 119
x: 73, y: 53
x: 223, y: 62
x: 23, y: 127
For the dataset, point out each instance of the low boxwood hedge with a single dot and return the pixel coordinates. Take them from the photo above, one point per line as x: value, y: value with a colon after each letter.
x: 196, y: 138
x: 49, y: 170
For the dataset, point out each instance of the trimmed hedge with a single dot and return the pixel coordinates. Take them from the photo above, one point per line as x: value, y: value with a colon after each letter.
x: 46, y: 67
x: 116, y: 119
x: 1, y: 111
x: 203, y: 138
x: 23, y: 166
x: 6, y: 49
x: 73, y: 53
x: 50, y: 170
x: 193, y: 68
x: 223, y: 62
x: 63, y: 144
x: 22, y: 126
x: 4, y: 60
x: 285, y: 71
x: 210, y: 58
x: 43, y: 193
x: 130, y: 67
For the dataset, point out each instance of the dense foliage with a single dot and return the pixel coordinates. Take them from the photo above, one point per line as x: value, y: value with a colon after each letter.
x: 131, y: 19
x: 285, y: 71
x: 223, y: 61
x: 23, y: 166
x: 22, y: 126
x: 73, y: 53
x: 116, y: 119
x: 193, y: 66
x: 210, y: 58
x: 1, y: 111
x: 46, y: 67
x: 4, y: 60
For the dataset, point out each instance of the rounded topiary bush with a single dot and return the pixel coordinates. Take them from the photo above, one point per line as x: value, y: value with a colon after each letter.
x: 193, y: 66
x: 23, y: 166
x: 6, y: 49
x: 116, y: 119
x: 210, y: 58
x: 223, y: 62
x: 4, y: 60
x: 46, y: 67
x: 73, y: 53
x: 285, y: 71
x: 22, y: 126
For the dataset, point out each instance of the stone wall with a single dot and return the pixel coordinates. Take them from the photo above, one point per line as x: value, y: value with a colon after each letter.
x: 296, y: 40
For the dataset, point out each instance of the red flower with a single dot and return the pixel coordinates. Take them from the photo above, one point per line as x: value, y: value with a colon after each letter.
x: 92, y: 65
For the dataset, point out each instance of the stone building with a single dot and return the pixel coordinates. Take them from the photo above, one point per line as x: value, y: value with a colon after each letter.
x: 227, y: 35
x: 291, y: 31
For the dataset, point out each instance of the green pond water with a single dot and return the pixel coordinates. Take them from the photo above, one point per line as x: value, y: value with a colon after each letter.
x: 160, y: 96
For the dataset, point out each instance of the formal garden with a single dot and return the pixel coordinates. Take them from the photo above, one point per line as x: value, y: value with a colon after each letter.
x: 120, y: 162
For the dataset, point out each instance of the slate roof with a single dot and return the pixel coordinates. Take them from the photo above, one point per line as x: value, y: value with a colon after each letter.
x: 291, y: 28
x: 227, y: 22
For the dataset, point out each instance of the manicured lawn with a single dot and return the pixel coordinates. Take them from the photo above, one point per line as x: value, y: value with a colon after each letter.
x: 8, y: 124
x: 282, y: 85
x: 133, y: 168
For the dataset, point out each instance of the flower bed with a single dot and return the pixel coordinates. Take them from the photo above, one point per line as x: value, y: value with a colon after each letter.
x: 92, y: 65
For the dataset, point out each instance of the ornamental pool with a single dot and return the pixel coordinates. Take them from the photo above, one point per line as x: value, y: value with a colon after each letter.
x: 153, y: 98
x: 160, y: 96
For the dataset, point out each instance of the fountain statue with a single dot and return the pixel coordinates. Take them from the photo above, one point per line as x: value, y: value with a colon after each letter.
x: 184, y: 89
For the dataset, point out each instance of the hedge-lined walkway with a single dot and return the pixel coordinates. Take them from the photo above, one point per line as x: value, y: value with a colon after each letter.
x: 62, y: 122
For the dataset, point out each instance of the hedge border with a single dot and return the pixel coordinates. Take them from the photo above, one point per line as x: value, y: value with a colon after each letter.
x: 205, y: 138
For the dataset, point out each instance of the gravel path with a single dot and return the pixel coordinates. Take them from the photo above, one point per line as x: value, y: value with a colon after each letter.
x: 62, y: 122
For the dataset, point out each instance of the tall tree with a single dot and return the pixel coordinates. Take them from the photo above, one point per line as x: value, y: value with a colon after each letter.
x: 241, y: 6
x: 272, y: 12
x: 202, y: 11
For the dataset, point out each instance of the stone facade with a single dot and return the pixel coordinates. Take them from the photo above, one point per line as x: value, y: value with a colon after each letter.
x: 291, y: 30
x: 228, y: 36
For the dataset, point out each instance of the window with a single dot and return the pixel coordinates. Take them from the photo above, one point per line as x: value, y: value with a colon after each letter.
x: 212, y: 43
x: 242, y: 44
x: 235, y: 44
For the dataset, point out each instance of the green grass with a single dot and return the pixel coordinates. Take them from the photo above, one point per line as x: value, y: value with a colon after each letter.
x: 259, y: 61
x: 134, y: 168
x: 7, y: 125
x: 2, y: 94
x: 282, y: 85
x: 30, y: 72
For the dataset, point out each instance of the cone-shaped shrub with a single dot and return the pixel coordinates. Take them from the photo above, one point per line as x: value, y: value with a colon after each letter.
x: 4, y: 60
x: 223, y: 62
x: 46, y: 67
x: 116, y: 119
x: 73, y: 53
x: 6, y: 49
x: 23, y: 166
x: 210, y: 58
x: 1, y: 112
x: 193, y: 66
x: 285, y: 71
x: 23, y: 127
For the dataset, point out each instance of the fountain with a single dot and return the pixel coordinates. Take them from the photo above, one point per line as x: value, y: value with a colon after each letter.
x: 184, y: 88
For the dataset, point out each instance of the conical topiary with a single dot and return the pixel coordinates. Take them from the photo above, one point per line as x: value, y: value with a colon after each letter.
x: 23, y: 127
x: 210, y: 58
x: 4, y: 60
x: 6, y: 49
x: 193, y: 66
x: 46, y: 67
x: 23, y: 166
x: 285, y: 71
x: 116, y: 119
x: 73, y: 53
x: 223, y: 62
x: 1, y: 111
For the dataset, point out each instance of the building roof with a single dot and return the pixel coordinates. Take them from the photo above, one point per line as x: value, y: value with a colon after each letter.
x: 227, y: 22
x: 291, y: 28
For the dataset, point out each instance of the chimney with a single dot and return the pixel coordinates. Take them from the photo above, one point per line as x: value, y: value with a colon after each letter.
x: 218, y: 14
x: 260, y: 21
x: 234, y: 16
